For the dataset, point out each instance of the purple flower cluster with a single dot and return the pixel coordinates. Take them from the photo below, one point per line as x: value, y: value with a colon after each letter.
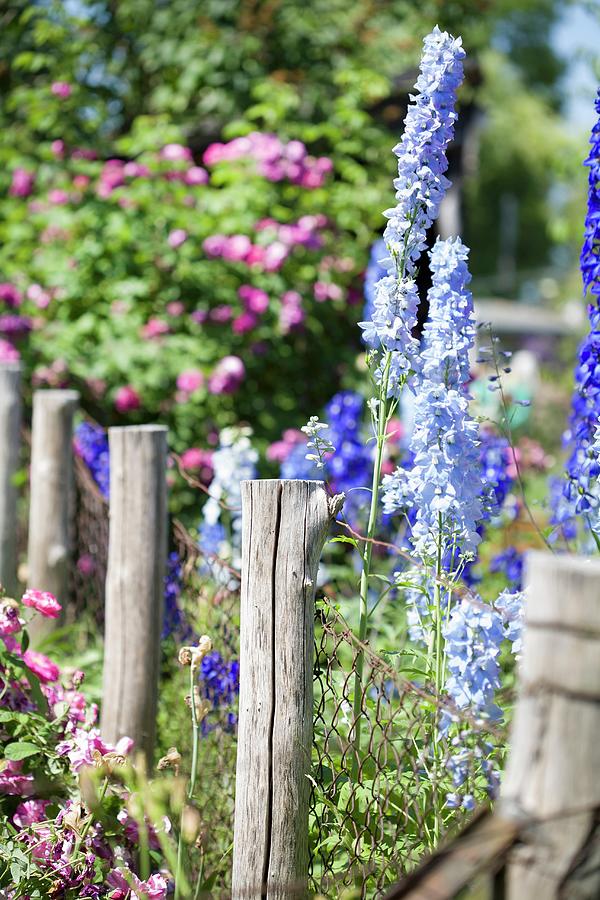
x: 91, y: 444
x: 174, y: 620
x: 583, y: 467
x: 220, y: 682
x: 510, y: 563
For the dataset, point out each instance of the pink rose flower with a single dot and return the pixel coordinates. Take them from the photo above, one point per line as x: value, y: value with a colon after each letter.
x: 41, y: 666
x: 175, y: 308
x: 199, y: 316
x: 58, y: 148
x: 8, y: 353
x: 61, y: 89
x: 58, y: 197
x: 215, y: 244
x: 127, y: 399
x: 190, y: 380
x: 39, y: 296
x: 255, y: 300
x: 177, y: 237
x: 237, y: 247
x: 12, y: 781
x: 43, y: 601
x: 22, y: 183
x: 176, y: 153
x: 195, y: 459
x: 10, y: 622
x: 30, y: 812
x: 155, y: 328
x: 221, y: 313
x: 244, y: 322
x: 196, y: 175
x: 227, y: 376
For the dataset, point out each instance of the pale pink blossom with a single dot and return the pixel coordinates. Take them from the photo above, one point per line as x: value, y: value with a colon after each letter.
x: 189, y: 381
x: 58, y: 197
x: 44, y: 602
x: 155, y: 328
x: 221, y: 313
x: 58, y: 148
x: 176, y: 153
x: 177, y: 237
x: 175, y: 308
x: 254, y: 299
x: 8, y: 353
x: 39, y: 296
x: 196, y: 175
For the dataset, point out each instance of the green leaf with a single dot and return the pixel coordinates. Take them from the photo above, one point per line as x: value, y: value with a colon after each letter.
x: 344, y: 539
x: 20, y: 750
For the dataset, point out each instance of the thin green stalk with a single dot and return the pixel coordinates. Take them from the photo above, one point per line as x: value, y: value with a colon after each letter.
x: 192, y: 784
x: 382, y: 418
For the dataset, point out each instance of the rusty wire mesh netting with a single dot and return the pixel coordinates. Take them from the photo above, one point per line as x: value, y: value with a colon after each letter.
x: 90, y: 545
x: 374, y: 816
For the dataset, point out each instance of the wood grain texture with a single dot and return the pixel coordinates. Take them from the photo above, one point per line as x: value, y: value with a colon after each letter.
x: 137, y: 549
x: 284, y: 527
x: 552, y: 784
x: 10, y: 443
x: 51, y: 499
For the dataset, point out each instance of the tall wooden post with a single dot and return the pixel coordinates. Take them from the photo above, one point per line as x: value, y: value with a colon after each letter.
x: 137, y: 549
x: 51, y: 498
x: 284, y: 527
x: 10, y: 442
x: 552, y: 782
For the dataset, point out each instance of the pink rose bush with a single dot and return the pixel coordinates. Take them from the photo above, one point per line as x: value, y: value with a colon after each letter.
x: 49, y: 748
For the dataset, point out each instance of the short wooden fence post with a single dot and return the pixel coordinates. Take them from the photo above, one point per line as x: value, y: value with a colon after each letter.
x: 137, y: 549
x: 10, y: 443
x: 284, y: 527
x: 51, y: 498
x: 552, y: 781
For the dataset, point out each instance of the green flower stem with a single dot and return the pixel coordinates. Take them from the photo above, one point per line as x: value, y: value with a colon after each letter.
x: 382, y: 419
x: 192, y: 784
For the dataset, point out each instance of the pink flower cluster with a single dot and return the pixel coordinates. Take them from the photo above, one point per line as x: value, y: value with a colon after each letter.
x: 10, y: 294
x: 276, y: 160
x: 255, y: 302
x: 199, y: 461
x: 277, y: 242
x: 8, y: 353
x: 42, y: 601
x: 127, y: 399
x: 280, y: 450
x: 154, y: 888
x: 80, y: 744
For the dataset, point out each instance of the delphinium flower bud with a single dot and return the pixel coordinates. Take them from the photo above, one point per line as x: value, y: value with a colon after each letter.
x: 317, y: 443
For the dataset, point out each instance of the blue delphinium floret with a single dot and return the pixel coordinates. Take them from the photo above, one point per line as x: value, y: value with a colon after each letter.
x: 420, y: 187
x: 174, y: 620
x: 473, y: 636
x: 510, y: 606
x: 91, y: 444
x: 444, y: 485
x: 510, y: 563
x: 374, y: 273
x: 583, y: 470
x: 220, y: 684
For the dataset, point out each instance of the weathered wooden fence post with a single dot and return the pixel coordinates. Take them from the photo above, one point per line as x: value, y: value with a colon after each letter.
x: 137, y: 549
x: 10, y: 442
x: 284, y: 527
x: 51, y: 497
x: 552, y: 780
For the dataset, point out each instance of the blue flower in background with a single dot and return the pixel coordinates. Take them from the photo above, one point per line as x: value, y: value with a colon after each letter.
x: 174, y: 620
x: 581, y: 491
x: 510, y: 563
x: 374, y: 273
x: 91, y: 444
x: 220, y: 683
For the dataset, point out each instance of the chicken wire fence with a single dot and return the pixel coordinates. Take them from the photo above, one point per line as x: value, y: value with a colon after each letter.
x: 379, y: 803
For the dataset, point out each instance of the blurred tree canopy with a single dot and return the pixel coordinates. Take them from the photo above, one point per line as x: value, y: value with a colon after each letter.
x: 324, y: 71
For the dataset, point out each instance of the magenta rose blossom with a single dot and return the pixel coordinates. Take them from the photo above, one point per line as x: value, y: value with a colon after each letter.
x: 22, y: 183
x: 9, y: 618
x: 30, y: 812
x: 9, y: 294
x: 41, y: 666
x: 44, y: 602
x: 61, y: 89
x: 127, y: 399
